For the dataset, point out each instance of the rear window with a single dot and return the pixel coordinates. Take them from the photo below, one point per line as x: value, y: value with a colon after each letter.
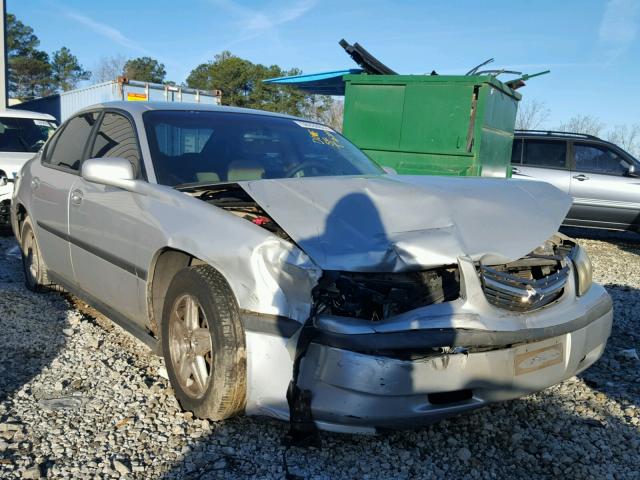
x: 69, y: 147
x: 24, y: 134
x: 540, y: 153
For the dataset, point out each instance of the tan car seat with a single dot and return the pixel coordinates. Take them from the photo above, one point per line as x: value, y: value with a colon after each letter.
x: 244, y: 170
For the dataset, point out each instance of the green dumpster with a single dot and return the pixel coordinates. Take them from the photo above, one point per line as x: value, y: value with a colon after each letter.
x: 432, y: 124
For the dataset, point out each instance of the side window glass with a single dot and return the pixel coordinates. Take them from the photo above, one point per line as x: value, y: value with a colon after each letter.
x: 516, y: 152
x: 50, y: 145
x: 540, y: 153
x: 596, y: 159
x: 69, y: 147
x: 116, y: 138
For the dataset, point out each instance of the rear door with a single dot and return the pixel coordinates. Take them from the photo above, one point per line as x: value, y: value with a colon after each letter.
x: 541, y: 159
x: 51, y: 186
x: 604, y: 195
x: 107, y: 226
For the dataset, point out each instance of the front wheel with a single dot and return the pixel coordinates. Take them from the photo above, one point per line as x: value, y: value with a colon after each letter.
x: 203, y: 344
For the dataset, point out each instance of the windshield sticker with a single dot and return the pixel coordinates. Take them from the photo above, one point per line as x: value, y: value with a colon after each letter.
x: 324, y: 138
x: 42, y: 123
x: 314, y: 126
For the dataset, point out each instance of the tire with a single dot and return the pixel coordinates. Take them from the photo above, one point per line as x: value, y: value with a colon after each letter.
x: 202, y: 336
x: 33, y: 266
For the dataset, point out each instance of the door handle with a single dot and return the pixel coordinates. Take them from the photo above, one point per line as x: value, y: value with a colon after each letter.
x: 35, y: 183
x: 515, y: 170
x: 76, y: 197
x: 581, y: 177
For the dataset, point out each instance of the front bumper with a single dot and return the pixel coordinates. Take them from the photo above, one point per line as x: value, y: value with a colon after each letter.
x: 354, y: 390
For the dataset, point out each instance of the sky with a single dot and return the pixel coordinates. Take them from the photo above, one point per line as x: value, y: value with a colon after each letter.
x: 592, y: 47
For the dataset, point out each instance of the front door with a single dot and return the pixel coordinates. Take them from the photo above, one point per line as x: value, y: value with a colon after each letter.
x: 604, y: 195
x: 105, y: 225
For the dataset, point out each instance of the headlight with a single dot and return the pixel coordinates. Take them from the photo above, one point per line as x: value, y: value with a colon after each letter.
x: 583, y: 270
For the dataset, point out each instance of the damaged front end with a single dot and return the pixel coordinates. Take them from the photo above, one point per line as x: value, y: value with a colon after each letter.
x: 406, y: 319
x: 400, y: 350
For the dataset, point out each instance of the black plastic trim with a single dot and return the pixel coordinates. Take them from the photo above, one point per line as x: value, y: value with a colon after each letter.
x: 269, y: 324
x: 456, y: 337
x: 98, y: 252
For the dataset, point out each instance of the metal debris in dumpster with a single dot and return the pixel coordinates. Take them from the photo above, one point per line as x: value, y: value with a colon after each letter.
x: 424, y: 124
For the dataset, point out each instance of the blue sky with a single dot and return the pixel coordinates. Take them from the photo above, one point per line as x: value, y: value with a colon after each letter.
x: 592, y: 47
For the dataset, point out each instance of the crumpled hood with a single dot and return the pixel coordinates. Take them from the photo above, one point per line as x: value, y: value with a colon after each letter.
x: 394, y: 223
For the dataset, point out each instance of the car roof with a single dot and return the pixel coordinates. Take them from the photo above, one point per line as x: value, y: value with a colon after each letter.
x: 554, y: 134
x: 138, y: 108
x: 564, y: 136
x: 17, y: 113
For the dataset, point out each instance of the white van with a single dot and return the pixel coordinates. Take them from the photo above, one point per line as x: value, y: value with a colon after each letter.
x: 22, y: 135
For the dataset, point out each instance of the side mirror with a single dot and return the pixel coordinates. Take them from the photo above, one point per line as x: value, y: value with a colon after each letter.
x: 114, y: 172
x: 631, y: 171
x: 389, y: 170
x: 3, y: 179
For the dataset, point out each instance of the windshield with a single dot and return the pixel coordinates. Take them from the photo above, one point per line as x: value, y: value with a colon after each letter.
x: 24, y: 134
x: 199, y: 146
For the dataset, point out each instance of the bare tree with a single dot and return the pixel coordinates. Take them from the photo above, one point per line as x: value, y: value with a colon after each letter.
x: 332, y: 116
x: 532, y: 114
x: 582, y: 124
x: 109, y: 68
x: 626, y: 137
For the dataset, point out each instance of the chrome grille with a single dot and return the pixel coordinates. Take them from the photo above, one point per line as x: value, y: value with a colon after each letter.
x: 513, y: 292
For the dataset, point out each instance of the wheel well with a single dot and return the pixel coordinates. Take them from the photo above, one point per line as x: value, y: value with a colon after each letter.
x: 21, y: 215
x: 168, y: 263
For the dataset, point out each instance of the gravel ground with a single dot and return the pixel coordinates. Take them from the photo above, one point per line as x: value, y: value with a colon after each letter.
x: 81, y: 398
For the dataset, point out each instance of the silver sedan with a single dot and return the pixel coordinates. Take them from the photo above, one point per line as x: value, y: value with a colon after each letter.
x: 281, y: 272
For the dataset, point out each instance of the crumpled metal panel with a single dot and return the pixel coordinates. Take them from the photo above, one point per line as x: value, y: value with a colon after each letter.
x: 395, y: 223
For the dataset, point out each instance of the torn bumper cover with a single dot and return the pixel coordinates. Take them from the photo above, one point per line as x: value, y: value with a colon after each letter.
x: 436, y: 361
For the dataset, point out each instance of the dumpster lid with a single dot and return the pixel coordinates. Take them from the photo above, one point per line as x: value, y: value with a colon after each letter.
x: 324, y: 83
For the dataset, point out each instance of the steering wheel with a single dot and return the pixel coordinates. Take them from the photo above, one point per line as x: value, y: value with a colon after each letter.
x: 303, y: 166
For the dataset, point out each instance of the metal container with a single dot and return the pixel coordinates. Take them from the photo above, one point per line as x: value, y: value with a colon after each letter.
x: 432, y: 124
x: 64, y: 105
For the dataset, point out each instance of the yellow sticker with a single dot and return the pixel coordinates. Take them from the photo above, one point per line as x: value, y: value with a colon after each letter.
x: 136, y: 97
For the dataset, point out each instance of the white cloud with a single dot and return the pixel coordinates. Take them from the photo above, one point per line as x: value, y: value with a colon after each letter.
x: 253, y: 23
x: 105, y: 30
x: 619, y: 25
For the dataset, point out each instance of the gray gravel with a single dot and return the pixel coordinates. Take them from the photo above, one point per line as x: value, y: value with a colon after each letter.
x: 79, y: 398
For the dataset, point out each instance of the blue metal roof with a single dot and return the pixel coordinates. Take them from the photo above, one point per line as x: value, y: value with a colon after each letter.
x: 325, y: 83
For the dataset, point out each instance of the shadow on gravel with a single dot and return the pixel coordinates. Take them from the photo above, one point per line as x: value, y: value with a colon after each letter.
x: 613, y: 374
x: 32, y: 325
x: 569, y: 430
x: 542, y: 435
x: 628, y: 241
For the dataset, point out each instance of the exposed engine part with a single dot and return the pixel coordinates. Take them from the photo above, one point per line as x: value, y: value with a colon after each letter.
x: 375, y: 296
x: 235, y: 200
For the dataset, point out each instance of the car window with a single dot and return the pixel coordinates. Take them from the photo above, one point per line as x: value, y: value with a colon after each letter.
x: 516, y: 151
x: 207, y: 146
x: 541, y: 153
x: 175, y: 140
x: 597, y: 159
x: 69, y: 147
x: 24, y: 134
x: 116, y: 138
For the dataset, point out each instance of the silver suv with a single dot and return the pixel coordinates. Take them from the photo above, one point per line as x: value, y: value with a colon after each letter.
x: 602, y: 178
